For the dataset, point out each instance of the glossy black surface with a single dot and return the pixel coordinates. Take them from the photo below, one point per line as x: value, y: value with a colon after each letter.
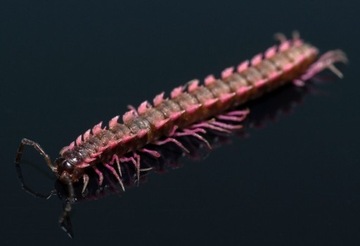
x: 64, y: 66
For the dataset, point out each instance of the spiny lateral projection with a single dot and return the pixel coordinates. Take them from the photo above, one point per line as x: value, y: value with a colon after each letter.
x: 189, y: 111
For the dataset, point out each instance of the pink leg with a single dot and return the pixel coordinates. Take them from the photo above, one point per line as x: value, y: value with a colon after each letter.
x: 172, y: 140
x: 226, y: 126
x: 194, y: 133
x: 128, y: 159
x: 100, y: 175
x: 218, y: 126
x: 115, y: 158
x: 326, y: 61
x: 173, y: 130
x: 137, y: 165
x: 231, y: 118
x: 208, y: 125
x: 112, y: 170
x: 235, y: 116
x: 135, y: 159
x: 153, y: 153
x: 280, y: 37
x: 86, y: 182
x: 242, y: 113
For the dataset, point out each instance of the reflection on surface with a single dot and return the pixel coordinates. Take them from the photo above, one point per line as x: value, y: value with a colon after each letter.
x: 262, y: 111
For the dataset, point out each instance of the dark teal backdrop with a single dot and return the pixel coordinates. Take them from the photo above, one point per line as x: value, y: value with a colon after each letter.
x: 66, y: 65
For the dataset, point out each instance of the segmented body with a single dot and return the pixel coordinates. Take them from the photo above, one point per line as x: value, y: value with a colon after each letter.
x: 190, y: 110
x: 189, y: 104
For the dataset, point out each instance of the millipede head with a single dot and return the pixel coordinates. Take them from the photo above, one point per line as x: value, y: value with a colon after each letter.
x: 63, y: 165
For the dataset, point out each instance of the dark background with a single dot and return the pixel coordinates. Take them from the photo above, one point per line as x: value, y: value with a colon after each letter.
x: 66, y: 65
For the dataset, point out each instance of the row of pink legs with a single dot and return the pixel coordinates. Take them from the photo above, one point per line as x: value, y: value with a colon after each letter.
x: 225, y: 123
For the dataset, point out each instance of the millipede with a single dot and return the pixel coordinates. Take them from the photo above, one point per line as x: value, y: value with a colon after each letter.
x: 190, y: 110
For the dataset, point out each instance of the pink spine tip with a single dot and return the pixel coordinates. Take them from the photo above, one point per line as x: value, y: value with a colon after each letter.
x: 227, y: 72
x: 209, y: 79
x: 242, y: 90
x: 299, y: 59
x: 142, y: 133
x: 284, y: 45
x: 87, y: 135
x: 144, y: 106
x: 161, y: 123
x: 72, y: 145
x: 193, y: 85
x: 211, y: 102
x: 176, y: 92
x: 260, y: 82
x: 79, y: 140
x: 256, y: 59
x: 113, y: 143
x: 270, y: 52
x: 244, y: 65
x: 176, y: 115
x: 287, y: 67
x: 127, y: 138
x: 129, y: 116
x: 192, y: 108
x: 227, y: 97
x: 274, y: 75
x: 114, y: 121
x: 158, y: 99
x: 97, y: 128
